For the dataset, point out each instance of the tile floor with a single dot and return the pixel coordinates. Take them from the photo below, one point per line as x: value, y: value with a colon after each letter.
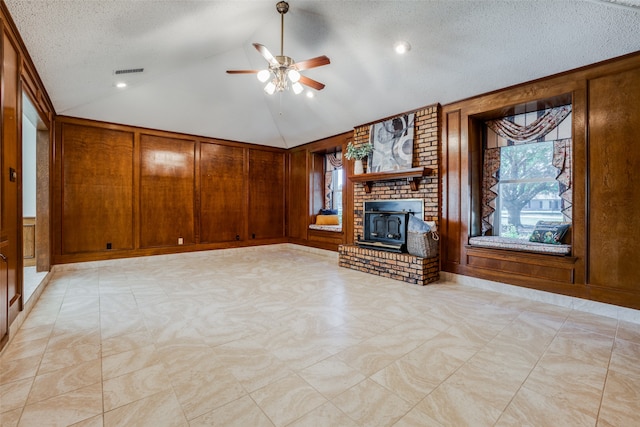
x: 284, y: 337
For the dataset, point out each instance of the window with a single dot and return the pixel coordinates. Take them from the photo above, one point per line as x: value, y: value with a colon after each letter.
x: 526, y: 172
x: 527, y: 191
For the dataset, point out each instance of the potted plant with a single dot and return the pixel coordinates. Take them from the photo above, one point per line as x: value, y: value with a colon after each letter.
x: 357, y: 154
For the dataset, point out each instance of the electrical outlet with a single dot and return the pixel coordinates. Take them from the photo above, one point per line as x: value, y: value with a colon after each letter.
x: 180, y: 240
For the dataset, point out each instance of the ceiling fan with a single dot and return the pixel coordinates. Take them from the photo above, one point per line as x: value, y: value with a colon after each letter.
x: 283, y: 69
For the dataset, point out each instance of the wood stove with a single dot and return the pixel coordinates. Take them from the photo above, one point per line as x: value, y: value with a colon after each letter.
x: 385, y: 223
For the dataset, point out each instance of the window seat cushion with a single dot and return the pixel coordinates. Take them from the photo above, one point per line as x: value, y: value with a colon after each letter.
x: 499, y: 242
x: 334, y: 228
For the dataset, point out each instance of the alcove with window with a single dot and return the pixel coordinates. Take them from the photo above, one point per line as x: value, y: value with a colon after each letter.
x: 523, y: 199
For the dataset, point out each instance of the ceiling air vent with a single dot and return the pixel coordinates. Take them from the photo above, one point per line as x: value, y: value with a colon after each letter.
x: 129, y: 71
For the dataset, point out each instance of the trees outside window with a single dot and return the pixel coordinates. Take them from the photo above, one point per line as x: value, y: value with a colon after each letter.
x: 528, y: 190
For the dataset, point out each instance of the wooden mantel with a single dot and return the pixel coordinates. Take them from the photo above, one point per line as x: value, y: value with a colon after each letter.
x: 412, y: 176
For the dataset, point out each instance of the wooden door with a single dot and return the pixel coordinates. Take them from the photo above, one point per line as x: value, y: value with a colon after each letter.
x: 222, y: 193
x: 266, y: 194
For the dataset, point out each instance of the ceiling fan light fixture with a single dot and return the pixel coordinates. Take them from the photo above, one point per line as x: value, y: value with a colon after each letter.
x: 264, y: 75
x: 293, y: 75
x: 297, y: 88
x: 270, y: 88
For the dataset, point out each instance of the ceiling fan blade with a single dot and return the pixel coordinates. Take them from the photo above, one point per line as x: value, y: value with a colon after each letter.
x: 312, y: 63
x: 243, y: 71
x: 311, y: 83
x: 266, y: 54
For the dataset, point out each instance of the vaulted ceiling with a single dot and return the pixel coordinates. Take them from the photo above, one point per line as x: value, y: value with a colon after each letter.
x: 458, y: 49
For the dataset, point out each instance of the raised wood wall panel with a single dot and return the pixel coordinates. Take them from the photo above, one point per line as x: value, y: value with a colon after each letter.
x: 451, y: 189
x: 222, y: 193
x: 614, y: 181
x: 29, y: 241
x: 298, y: 195
x: 167, y: 186
x: 266, y: 194
x: 97, y: 183
x: 545, y: 267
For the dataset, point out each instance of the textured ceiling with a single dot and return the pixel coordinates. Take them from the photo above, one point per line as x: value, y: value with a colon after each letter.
x: 459, y: 49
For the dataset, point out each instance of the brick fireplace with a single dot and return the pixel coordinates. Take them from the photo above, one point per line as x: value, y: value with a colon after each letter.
x: 400, y: 266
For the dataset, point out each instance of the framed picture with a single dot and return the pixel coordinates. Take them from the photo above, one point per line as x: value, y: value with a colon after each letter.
x: 392, y: 142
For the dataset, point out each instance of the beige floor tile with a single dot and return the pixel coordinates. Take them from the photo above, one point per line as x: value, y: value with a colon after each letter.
x: 366, y: 358
x: 117, y: 323
x: 287, y: 399
x: 160, y: 409
x: 251, y: 364
x: 96, y: 421
x: 370, y: 404
x: 24, y: 349
x: 135, y: 385
x: 592, y: 322
x: 66, y: 357
x: 10, y: 418
x: 239, y: 413
x: 14, y: 395
x: 628, y: 331
x: 32, y: 334
x: 417, y: 418
x: 65, y: 409
x: 408, y: 381
x: 331, y: 376
x: 453, y: 405
x: 621, y: 400
x: 582, y: 344
x: 578, y: 383
x: 325, y: 415
x: 625, y: 357
x: 529, y: 408
x: 64, y: 380
x: 126, y: 342
x: 18, y: 369
x: 71, y: 339
x: 204, y: 387
x: 129, y: 361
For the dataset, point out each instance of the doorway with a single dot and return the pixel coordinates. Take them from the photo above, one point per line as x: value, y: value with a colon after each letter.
x: 35, y: 198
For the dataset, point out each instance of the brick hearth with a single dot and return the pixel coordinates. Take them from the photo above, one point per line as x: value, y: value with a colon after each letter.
x: 405, y: 267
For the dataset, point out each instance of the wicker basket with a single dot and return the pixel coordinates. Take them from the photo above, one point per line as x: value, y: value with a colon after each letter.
x: 424, y: 245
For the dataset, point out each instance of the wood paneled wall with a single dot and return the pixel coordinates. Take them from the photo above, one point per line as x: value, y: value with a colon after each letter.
x: 17, y: 76
x: 121, y: 191
x: 606, y: 184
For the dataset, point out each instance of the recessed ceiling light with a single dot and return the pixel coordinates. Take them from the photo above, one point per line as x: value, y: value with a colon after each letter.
x: 121, y: 85
x: 402, y: 47
x: 310, y: 94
